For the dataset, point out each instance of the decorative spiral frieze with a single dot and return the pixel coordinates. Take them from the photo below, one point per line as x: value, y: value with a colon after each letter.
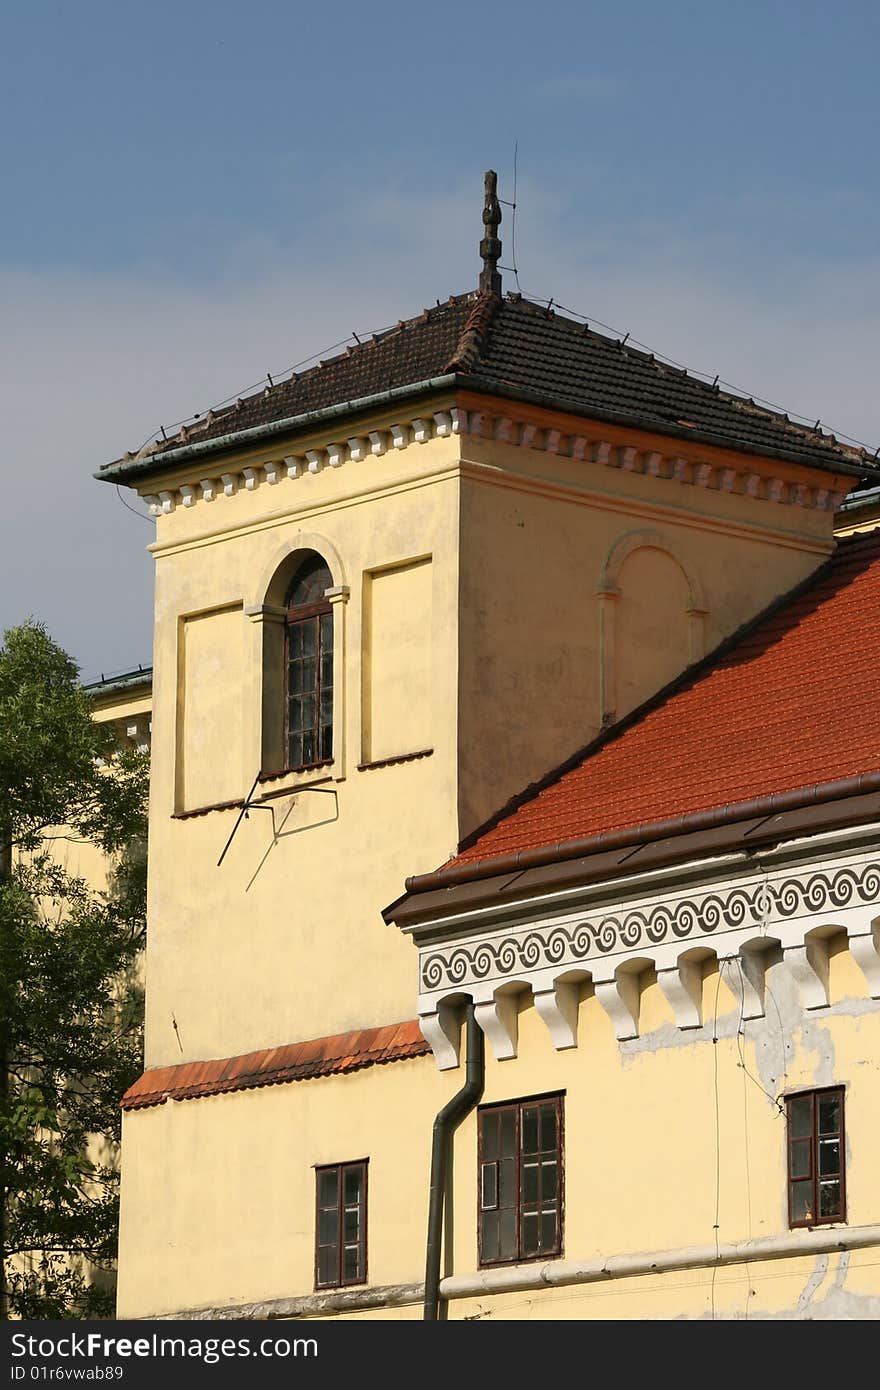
x: 682, y: 920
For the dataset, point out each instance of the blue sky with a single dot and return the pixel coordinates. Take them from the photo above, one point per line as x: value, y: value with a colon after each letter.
x: 197, y: 193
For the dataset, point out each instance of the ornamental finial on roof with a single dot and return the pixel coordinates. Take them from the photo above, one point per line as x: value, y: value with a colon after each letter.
x: 490, y: 246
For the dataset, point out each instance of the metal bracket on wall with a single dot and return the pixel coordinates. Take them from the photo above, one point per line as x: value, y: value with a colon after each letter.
x: 250, y: 805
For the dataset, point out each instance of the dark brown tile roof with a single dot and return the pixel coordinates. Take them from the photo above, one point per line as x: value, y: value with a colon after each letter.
x: 512, y: 345
x: 301, y: 1061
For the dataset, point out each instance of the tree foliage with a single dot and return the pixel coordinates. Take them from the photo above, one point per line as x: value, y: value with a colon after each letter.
x: 70, y: 1002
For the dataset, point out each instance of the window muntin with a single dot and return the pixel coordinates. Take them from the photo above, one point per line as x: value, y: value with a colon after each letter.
x: 341, y: 1225
x: 520, y: 1181
x: 308, y: 731
x: 816, y: 1158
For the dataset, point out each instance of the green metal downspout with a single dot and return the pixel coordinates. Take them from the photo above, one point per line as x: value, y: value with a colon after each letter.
x: 445, y: 1123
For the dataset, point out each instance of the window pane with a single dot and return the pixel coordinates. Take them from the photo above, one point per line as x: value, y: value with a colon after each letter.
x: 295, y: 680
x: 829, y: 1198
x: 802, y: 1202
x: 530, y: 1183
x: 491, y: 1223
x: 327, y: 742
x: 530, y: 1130
x: 351, y: 1230
x: 296, y: 639
x: 548, y: 1231
x: 507, y: 1183
x: 530, y: 1233
x: 326, y: 707
x: 548, y: 1127
x: 800, y: 1115
x: 311, y: 581
x: 800, y: 1159
x: 508, y: 1133
x: 327, y: 632
x: 309, y: 636
x: 351, y: 1263
x: 489, y: 1123
x: 829, y: 1156
x: 829, y: 1114
x: 308, y: 748
x: 508, y: 1235
x: 353, y: 1185
x: 328, y: 1187
x: 489, y: 1187
x: 548, y: 1181
x: 328, y: 1226
x: 294, y: 751
x: 328, y: 1269
x: 327, y: 668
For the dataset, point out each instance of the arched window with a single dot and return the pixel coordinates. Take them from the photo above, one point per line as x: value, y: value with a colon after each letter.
x: 308, y: 733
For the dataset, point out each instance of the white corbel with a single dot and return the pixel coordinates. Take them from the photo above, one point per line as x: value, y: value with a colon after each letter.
x: 499, y: 1019
x: 315, y: 460
x: 459, y: 420
x: 166, y: 501
x: 681, y: 469
x: 336, y: 455
x: 358, y: 448
x: 504, y: 428
x: 578, y: 447
x: 399, y: 436
x: 251, y: 480
x: 230, y: 483
x: 478, y: 424
x: 273, y: 472
x: 378, y: 443
x: 626, y: 458
x: 552, y: 440
x: 209, y: 489
x: 683, y: 987
x: 188, y: 494
x: 800, y: 495
x: 421, y: 431
x: 602, y: 452
x: 775, y: 490
x: 726, y: 479
x: 653, y: 464
x: 154, y: 504
x: 703, y: 474
x: 442, y: 1029
x: 527, y: 436
x: 443, y: 423
x: 820, y: 498
x: 809, y: 966
x: 743, y: 973
x: 293, y: 464
x: 558, y: 1006
x: 865, y: 950
x: 752, y: 484
x: 619, y: 998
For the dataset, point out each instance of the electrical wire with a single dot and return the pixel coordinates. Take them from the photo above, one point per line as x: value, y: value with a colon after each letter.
x: 143, y: 516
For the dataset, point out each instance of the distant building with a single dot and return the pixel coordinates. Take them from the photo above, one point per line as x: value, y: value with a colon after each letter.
x: 509, y: 686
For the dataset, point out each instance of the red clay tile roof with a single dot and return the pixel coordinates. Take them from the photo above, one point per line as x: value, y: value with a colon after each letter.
x: 791, y: 701
x: 343, y: 1052
x: 488, y: 343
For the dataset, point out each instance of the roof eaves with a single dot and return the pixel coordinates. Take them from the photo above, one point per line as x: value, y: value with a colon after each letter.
x: 131, y: 470
x: 552, y: 401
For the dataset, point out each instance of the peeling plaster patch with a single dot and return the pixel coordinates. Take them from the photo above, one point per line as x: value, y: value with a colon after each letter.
x: 813, y: 1283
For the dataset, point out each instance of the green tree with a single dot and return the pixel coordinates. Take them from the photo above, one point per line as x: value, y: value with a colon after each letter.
x: 70, y: 1003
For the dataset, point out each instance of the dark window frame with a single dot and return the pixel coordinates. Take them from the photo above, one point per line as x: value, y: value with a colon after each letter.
x: 299, y: 616
x: 795, y: 1143
x: 340, y: 1169
x: 556, y: 1099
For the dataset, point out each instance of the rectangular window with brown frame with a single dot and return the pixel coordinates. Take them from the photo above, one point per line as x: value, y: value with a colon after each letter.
x: 341, y: 1225
x: 520, y: 1180
x: 816, y: 1159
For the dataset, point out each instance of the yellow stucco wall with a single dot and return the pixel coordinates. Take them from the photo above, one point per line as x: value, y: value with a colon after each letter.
x: 218, y: 1203
x: 514, y: 574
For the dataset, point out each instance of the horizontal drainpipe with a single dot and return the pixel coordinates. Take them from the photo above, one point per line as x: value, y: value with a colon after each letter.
x: 445, y: 1123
